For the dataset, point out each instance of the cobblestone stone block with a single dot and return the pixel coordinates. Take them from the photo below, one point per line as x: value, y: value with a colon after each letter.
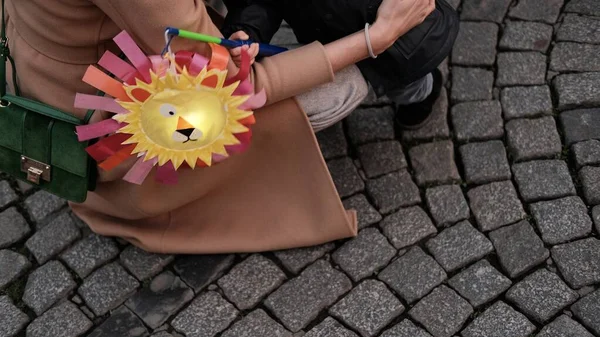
x: 499, y: 320
x: 436, y: 127
x: 122, y: 323
x: 526, y: 36
x: 367, y: 214
x: 165, y: 295
x: 521, y: 68
x: 332, y: 141
x: 406, y: 328
x: 535, y: 10
x: 64, y: 320
x: 365, y: 254
x: 198, y: 271
x: 519, y: 249
x: 541, y: 295
x: 442, y: 312
x: 143, y: 264
x: 407, y: 227
x: 485, y: 162
x: 586, y: 310
x: 522, y: 102
x: 330, y: 328
x: 480, y: 283
x: 393, y: 190
x: 299, y: 301
x: 46, y: 285
x: 495, y: 205
x: 208, y: 315
x: 580, y: 125
x: 577, y: 28
x: 577, y: 90
x: 587, y: 7
x: 586, y: 153
x: 474, y: 121
x: 458, y: 246
x: 7, y: 194
x: 12, y: 226
x: 162, y: 334
x: 484, y: 10
x: 12, y: 320
x: 562, y: 220
x: 571, y: 57
x: 543, y: 179
x: 564, y: 326
x: 578, y: 262
x: 368, y: 308
x: 248, y: 282
x: 447, y: 204
x: 106, y: 288
x: 434, y: 163
x: 41, y: 204
x: 413, y: 275
x: 90, y: 253
x: 53, y: 238
x: 471, y: 84
x: 257, y: 324
x: 370, y: 125
x: 475, y: 44
x: 381, y: 158
x: 533, y: 138
x: 590, y: 178
x: 296, y: 259
x: 345, y: 177
x: 12, y: 266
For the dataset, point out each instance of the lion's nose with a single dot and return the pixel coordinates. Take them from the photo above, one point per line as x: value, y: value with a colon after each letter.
x: 186, y: 132
x: 182, y: 124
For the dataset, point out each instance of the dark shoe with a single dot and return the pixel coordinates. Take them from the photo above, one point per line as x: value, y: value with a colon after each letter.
x: 416, y: 115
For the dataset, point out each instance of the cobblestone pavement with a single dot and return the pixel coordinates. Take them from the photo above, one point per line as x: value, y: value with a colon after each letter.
x: 483, y: 224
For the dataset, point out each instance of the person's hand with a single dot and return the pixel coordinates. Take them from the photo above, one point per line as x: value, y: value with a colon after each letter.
x: 236, y: 53
x: 395, y: 18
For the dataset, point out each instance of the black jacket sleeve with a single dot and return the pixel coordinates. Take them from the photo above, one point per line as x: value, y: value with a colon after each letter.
x: 260, y: 19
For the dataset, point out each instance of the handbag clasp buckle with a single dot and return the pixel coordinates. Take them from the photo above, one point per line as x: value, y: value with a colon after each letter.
x: 35, y: 170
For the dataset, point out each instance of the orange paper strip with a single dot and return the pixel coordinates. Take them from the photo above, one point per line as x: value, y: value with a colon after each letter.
x: 219, y: 57
x: 99, y: 80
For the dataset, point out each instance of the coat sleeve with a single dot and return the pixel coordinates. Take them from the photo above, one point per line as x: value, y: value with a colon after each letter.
x: 260, y: 19
x: 282, y: 76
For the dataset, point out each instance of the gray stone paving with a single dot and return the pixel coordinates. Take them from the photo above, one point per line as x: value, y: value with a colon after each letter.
x: 484, y: 223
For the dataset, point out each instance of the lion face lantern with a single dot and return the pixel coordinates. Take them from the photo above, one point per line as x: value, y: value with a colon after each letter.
x: 169, y: 111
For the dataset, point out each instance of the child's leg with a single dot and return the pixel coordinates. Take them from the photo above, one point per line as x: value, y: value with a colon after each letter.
x: 329, y: 103
x: 414, y: 92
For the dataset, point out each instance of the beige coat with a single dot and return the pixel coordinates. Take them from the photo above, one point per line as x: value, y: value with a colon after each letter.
x: 277, y: 195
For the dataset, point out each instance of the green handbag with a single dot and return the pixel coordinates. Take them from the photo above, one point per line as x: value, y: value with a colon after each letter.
x: 38, y: 143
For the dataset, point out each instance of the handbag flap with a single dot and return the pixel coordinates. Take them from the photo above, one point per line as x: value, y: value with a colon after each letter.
x: 43, y: 138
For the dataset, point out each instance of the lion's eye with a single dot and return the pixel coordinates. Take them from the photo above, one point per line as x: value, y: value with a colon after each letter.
x: 167, y: 110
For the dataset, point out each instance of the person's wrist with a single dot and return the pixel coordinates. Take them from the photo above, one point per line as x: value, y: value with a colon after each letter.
x: 381, y: 37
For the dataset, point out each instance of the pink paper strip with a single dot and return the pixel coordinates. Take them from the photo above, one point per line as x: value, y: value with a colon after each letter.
x: 91, y: 131
x: 140, y: 170
x: 159, y: 65
x: 135, y: 55
x: 217, y: 158
x: 244, y: 88
x: 166, y: 174
x: 93, y: 102
x: 117, y: 66
x: 197, y: 64
x: 255, y: 101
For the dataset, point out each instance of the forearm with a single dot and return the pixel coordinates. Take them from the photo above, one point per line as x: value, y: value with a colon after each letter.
x: 353, y: 48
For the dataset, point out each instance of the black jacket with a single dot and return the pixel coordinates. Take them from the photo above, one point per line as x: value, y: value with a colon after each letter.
x: 413, y: 56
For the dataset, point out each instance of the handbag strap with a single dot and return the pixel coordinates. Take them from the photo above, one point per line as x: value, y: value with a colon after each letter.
x: 4, y: 56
